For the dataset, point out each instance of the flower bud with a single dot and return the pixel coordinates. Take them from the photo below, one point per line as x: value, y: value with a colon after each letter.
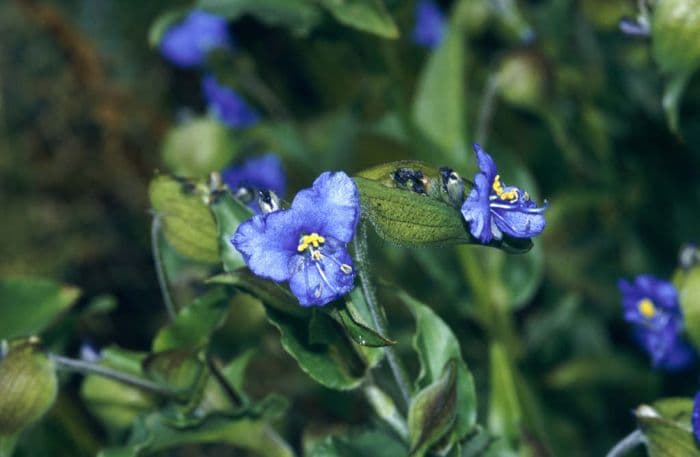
x: 28, y: 385
x: 675, y: 30
x: 523, y: 80
x: 197, y: 148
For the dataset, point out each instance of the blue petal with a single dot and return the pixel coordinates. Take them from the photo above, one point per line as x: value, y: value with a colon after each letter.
x: 229, y: 107
x: 662, y: 293
x: 331, y: 207
x: 695, y: 418
x: 430, y: 25
x: 476, y: 211
x: 486, y: 164
x: 268, y: 242
x: 518, y: 224
x: 678, y: 357
x: 264, y: 173
x: 186, y: 44
x: 318, y: 283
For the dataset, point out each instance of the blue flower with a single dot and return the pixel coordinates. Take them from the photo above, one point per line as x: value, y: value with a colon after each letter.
x: 695, y: 418
x: 307, y: 243
x: 493, y: 209
x: 229, y: 107
x: 258, y: 173
x: 430, y: 25
x: 651, y: 306
x: 187, y: 43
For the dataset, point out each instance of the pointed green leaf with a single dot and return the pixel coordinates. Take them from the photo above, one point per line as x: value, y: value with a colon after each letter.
x: 29, y: 305
x: 366, y: 15
x: 665, y: 437
x: 505, y: 413
x: 188, y: 224
x: 436, y: 345
x: 433, y: 411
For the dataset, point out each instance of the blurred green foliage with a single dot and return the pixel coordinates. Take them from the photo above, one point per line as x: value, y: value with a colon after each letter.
x: 575, y: 114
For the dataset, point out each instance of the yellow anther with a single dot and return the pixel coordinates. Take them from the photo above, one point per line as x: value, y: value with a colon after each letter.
x: 316, y: 255
x: 314, y: 240
x: 646, y: 307
x: 497, y: 186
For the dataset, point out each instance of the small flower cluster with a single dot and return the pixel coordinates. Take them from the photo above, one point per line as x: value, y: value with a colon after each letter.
x: 306, y: 244
x: 651, y: 305
x: 187, y: 45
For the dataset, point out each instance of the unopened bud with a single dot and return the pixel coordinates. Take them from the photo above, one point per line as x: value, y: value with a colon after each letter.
x: 28, y: 385
x: 268, y: 201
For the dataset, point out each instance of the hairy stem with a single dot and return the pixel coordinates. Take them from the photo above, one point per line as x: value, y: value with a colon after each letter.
x: 80, y: 366
x: 627, y: 443
x: 377, y: 313
x: 160, y: 270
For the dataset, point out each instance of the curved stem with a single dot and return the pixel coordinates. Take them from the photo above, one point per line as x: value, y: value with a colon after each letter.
x: 377, y: 313
x: 83, y: 367
x: 7, y: 445
x: 486, y: 110
x: 160, y: 270
x: 627, y: 443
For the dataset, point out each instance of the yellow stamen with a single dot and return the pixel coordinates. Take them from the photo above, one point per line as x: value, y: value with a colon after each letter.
x: 316, y: 255
x: 314, y: 240
x: 646, y: 307
x: 497, y: 186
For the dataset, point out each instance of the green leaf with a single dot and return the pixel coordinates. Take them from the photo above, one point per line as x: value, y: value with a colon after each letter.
x: 355, y: 318
x: 366, y: 15
x: 433, y: 411
x: 688, y: 285
x: 436, y: 346
x: 188, y: 224
x: 195, y: 323
x: 229, y: 214
x: 198, y: 147
x: 300, y: 16
x: 334, y: 363
x: 155, y: 433
x: 162, y: 24
x: 29, y: 305
x: 665, y: 437
x: 440, y: 100
x: 505, y: 413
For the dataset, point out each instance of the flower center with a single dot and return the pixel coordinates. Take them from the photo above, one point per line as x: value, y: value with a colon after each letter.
x: 497, y: 187
x: 314, y: 240
x: 646, y: 308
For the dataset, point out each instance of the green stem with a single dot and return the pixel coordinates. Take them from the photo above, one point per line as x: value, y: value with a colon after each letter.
x: 378, y: 316
x: 627, y: 443
x: 486, y: 110
x: 160, y: 269
x: 80, y: 366
x: 7, y: 445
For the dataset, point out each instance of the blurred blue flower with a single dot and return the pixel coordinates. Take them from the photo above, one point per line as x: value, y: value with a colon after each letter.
x: 229, y: 107
x: 307, y: 243
x: 430, y: 24
x: 257, y: 173
x: 493, y: 209
x: 651, y: 305
x: 695, y: 418
x: 187, y: 43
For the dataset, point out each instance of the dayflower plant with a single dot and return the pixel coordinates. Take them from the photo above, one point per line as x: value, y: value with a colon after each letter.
x: 227, y: 105
x: 307, y: 243
x: 493, y: 209
x: 187, y: 43
x: 430, y: 25
x: 257, y: 173
x: 652, y: 306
